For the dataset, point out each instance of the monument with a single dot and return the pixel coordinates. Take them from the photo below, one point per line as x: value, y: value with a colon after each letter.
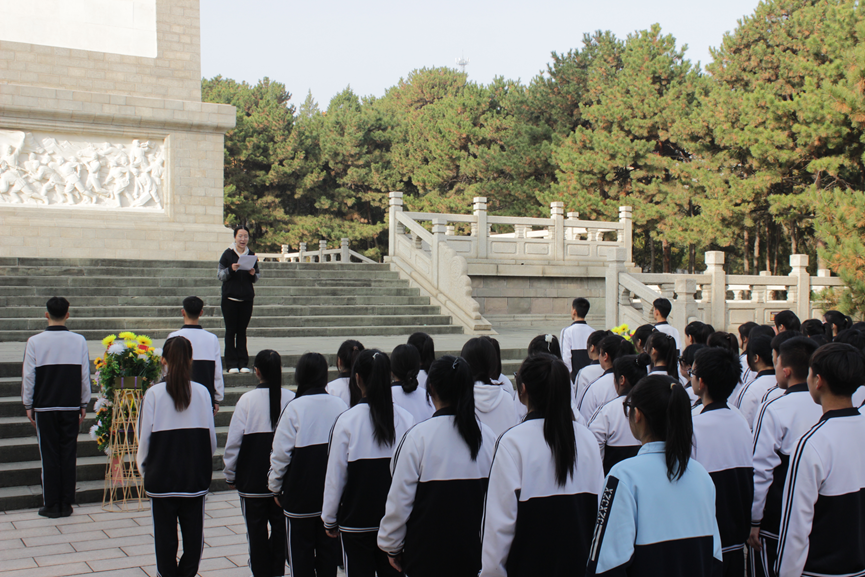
x: 106, y: 150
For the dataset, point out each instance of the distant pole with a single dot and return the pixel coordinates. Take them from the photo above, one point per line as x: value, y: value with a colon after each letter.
x: 462, y: 61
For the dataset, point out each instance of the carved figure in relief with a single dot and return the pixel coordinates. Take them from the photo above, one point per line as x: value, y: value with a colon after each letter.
x: 12, y: 182
x: 119, y: 174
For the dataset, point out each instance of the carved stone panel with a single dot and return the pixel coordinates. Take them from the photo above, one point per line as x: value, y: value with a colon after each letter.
x: 110, y: 173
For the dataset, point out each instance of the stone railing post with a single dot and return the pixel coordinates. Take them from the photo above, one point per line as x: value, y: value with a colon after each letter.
x: 802, y: 305
x: 557, y: 213
x: 717, y: 291
x: 300, y: 252
x: 626, y: 218
x: 439, y: 229
x: 479, y: 208
x: 571, y: 232
x: 283, y: 250
x: 450, y: 230
x: 685, y: 306
x: 615, y: 265
x: 394, y: 228
x: 520, y: 231
x: 344, y: 254
x: 322, y: 246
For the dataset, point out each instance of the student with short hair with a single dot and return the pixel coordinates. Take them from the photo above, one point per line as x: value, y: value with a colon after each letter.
x: 747, y: 374
x: 176, y: 443
x: 780, y: 423
x: 760, y: 361
x: 440, y: 470
x: 358, y: 476
x: 661, y: 309
x: 406, y: 392
x: 494, y: 405
x: 722, y: 444
x: 343, y: 385
x: 821, y: 512
x: 593, y: 370
x: 697, y: 333
x: 686, y: 362
x: 247, y: 461
x: 603, y: 389
x: 657, y: 511
x: 787, y: 321
x: 55, y: 390
x: 544, y: 483
x: 856, y: 338
x: 298, y: 464
x: 206, y: 356
x: 574, y: 338
x: 426, y: 348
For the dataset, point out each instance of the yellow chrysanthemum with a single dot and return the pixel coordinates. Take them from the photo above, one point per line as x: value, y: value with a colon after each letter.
x: 143, y: 340
x: 131, y: 344
x: 109, y: 340
x: 127, y: 336
x: 150, y: 349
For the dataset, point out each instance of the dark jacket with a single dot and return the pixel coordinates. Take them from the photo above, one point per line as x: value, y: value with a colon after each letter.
x: 236, y: 285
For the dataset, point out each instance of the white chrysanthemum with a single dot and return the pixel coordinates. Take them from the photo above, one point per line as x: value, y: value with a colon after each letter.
x: 93, y: 432
x: 108, y: 451
x: 142, y: 357
x: 116, y: 348
x: 100, y: 402
x: 157, y: 352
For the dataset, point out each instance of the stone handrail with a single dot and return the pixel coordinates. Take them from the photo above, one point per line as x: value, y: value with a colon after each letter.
x: 323, y: 254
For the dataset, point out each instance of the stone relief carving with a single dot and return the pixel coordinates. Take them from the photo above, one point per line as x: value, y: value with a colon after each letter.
x: 43, y: 169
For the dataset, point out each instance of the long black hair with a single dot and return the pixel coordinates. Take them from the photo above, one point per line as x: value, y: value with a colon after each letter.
x: 177, y: 352
x: 310, y: 373
x: 497, y: 368
x: 450, y: 380
x: 667, y: 409
x: 630, y: 367
x: 666, y: 346
x: 346, y: 355
x: 481, y: 356
x: 373, y: 368
x: 836, y: 319
x: 405, y: 365
x: 548, y: 386
x: 641, y: 335
x: 269, y: 364
x: 426, y: 347
x: 616, y: 346
x: 725, y: 341
x: 547, y: 344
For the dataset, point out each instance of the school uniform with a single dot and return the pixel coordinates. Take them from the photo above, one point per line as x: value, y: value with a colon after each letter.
x: 415, y: 402
x: 55, y: 385
x: 859, y: 397
x: 613, y: 433
x: 506, y: 384
x: 780, y: 424
x: 435, y: 503
x: 247, y: 461
x: 298, y: 464
x: 585, y: 377
x: 206, y: 359
x: 573, y: 341
x: 669, y: 329
x: 763, y: 388
x: 822, y: 505
x: 533, y: 526
x: 495, y: 407
x: 651, y: 526
x: 339, y: 388
x: 686, y: 383
x: 722, y: 444
x: 597, y: 394
x: 356, y: 487
x: 747, y: 376
x: 422, y: 377
x: 175, y: 452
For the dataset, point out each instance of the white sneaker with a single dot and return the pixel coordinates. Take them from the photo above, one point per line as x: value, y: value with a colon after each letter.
x: 245, y: 370
x: 233, y: 371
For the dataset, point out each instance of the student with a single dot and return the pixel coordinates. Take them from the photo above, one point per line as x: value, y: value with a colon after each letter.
x: 497, y: 376
x: 834, y: 322
x: 593, y: 370
x: 640, y: 336
x: 342, y: 385
x: 747, y: 374
x: 358, y: 467
x: 404, y: 367
x: 662, y: 355
x: 546, y: 344
x: 722, y: 444
x: 426, y: 347
x: 206, y: 356
x: 685, y: 364
x: 661, y: 309
x: 544, y: 483
x: 780, y: 424
x: 752, y: 395
x: 603, y: 389
x: 609, y: 424
x: 434, y: 509
x: 787, y: 321
x: 55, y: 390
x: 856, y: 338
x: 238, y: 294
x: 813, y: 327
x: 176, y: 442
x: 821, y: 512
x: 493, y: 404
x: 573, y: 338
x: 298, y: 464
x: 247, y: 460
x: 698, y: 333
x: 724, y: 340
x: 661, y: 497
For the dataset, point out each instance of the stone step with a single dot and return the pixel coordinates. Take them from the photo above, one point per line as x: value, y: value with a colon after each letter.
x: 268, y: 270
x: 215, y: 312
x: 173, y: 303
x: 186, y: 264
x: 60, y: 283
x: 179, y: 293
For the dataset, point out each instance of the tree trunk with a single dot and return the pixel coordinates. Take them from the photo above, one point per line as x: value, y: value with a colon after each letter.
x: 747, y: 260
x: 768, y: 251
x: 757, y: 250
x: 794, y: 239
x: 692, y: 258
x: 651, y: 251
x: 668, y: 257
x: 776, y: 242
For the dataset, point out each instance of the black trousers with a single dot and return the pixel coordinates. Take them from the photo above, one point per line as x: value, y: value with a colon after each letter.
x: 734, y: 563
x: 57, y: 432
x: 363, y: 558
x: 167, y: 512
x: 762, y: 563
x: 266, y: 550
x: 236, y: 315
x: 311, y: 553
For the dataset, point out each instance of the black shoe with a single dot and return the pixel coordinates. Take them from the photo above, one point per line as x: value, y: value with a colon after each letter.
x: 52, y: 512
x: 65, y: 510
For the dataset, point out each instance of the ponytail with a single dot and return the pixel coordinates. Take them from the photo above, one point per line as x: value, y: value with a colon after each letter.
x: 450, y: 380
x: 177, y: 352
x: 269, y: 364
x: 346, y: 355
x: 631, y: 367
x: 547, y: 385
x: 616, y: 346
x: 373, y: 367
x: 547, y: 344
x: 666, y: 346
x: 405, y: 366
x: 724, y: 341
x: 836, y: 319
x: 666, y: 407
x: 480, y: 354
x: 426, y: 347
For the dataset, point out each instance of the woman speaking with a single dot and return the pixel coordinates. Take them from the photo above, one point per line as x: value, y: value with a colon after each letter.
x: 237, y: 296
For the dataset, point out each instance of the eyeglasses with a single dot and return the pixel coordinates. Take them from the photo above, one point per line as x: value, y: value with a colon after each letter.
x: 626, y: 405
x: 691, y: 373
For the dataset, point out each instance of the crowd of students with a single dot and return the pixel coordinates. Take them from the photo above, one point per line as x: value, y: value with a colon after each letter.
x: 608, y: 456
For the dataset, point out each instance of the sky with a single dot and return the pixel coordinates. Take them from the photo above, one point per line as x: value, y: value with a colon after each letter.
x: 325, y: 46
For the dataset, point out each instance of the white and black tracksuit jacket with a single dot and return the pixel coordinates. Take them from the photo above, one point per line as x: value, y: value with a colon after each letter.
x: 206, y: 359
x: 436, y: 499
x: 598, y: 393
x: 573, y: 342
x: 585, y: 377
x: 532, y: 525
x: 780, y: 424
x: 299, y: 459
x: 250, y: 437
x: 823, y: 508
x: 763, y: 388
x: 722, y: 444
x: 175, y: 449
x: 56, y: 371
x: 358, y: 470
x: 339, y: 388
x: 613, y: 433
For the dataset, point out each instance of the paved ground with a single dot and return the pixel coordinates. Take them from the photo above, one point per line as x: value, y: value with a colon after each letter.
x: 96, y: 543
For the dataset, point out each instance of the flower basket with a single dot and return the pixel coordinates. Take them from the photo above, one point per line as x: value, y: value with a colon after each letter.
x: 131, y: 383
